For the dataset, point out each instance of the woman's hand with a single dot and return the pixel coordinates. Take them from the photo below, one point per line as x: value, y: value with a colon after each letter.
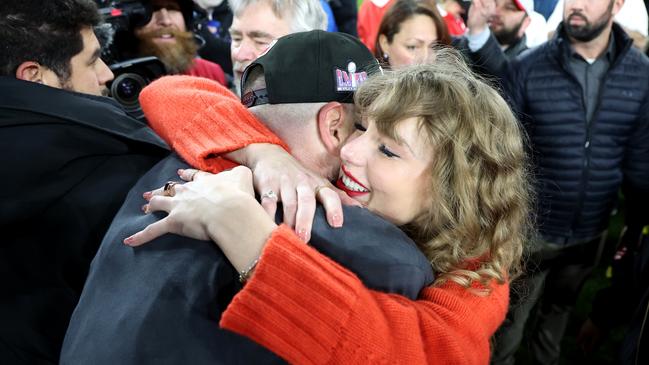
x: 220, y: 207
x: 191, y: 207
x: 278, y: 176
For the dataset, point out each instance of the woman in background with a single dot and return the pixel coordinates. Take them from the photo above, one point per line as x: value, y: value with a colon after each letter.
x: 408, y: 34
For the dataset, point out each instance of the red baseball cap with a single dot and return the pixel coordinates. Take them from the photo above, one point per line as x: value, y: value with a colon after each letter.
x: 524, y: 5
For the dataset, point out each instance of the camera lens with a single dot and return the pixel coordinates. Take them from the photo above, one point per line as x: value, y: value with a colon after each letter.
x: 126, y: 88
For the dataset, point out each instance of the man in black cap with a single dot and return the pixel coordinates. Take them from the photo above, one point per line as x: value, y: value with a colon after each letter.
x: 163, y: 301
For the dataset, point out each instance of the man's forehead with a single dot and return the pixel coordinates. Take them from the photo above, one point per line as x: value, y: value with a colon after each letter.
x: 259, y: 18
x: 90, y: 41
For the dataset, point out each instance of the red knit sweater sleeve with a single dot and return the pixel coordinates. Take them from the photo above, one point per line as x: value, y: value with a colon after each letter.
x: 201, y: 119
x: 310, y: 310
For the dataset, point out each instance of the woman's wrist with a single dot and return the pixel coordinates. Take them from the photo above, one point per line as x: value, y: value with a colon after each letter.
x: 250, y: 155
x: 242, y: 231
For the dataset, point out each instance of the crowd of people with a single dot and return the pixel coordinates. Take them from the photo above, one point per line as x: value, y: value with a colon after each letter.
x: 316, y: 182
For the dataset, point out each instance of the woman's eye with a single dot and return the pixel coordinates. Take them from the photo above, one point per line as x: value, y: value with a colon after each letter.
x: 387, y: 152
x: 411, y: 48
x: 360, y: 127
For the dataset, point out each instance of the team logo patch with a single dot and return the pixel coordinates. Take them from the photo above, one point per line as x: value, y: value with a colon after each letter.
x: 349, y: 80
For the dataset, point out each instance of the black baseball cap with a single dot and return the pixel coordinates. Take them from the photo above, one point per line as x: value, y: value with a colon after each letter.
x: 311, y: 67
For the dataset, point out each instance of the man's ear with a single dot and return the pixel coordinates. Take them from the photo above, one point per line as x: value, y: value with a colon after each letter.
x: 30, y: 71
x: 333, y: 126
x: 526, y: 23
x: 617, y: 6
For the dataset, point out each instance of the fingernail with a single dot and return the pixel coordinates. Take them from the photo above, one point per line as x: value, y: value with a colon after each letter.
x: 147, y: 195
x: 304, y: 236
x: 145, y: 208
x: 128, y: 240
x: 337, y: 221
x: 180, y: 171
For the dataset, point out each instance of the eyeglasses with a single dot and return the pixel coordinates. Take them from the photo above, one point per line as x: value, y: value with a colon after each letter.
x: 255, y: 97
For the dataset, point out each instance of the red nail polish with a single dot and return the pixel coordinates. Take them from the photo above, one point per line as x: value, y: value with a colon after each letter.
x: 147, y: 195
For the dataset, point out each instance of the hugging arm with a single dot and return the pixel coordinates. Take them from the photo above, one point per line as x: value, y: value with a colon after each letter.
x: 197, y: 116
x: 213, y: 207
x: 310, y: 310
x: 203, y: 122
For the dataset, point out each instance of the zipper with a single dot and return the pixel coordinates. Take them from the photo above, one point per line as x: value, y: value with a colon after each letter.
x: 586, y: 143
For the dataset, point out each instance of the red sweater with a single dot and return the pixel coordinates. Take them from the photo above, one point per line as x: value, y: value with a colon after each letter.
x: 299, y: 303
x: 188, y: 113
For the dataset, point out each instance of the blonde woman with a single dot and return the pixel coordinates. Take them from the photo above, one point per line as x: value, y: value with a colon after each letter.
x: 437, y: 152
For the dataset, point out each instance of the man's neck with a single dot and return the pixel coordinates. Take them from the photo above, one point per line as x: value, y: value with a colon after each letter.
x: 594, y: 48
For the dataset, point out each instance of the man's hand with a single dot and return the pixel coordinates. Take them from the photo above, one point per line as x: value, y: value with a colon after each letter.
x: 479, y: 14
x: 278, y: 176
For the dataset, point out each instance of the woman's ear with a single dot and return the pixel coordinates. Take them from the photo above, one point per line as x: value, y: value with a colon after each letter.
x: 333, y: 126
x: 383, y: 42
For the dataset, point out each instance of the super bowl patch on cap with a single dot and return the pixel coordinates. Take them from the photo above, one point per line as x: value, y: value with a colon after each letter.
x: 349, y: 80
x: 310, y: 67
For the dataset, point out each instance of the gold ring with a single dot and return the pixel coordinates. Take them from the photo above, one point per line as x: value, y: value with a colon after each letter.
x: 169, y: 188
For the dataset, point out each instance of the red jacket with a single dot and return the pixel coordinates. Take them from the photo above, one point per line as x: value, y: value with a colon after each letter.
x: 207, y: 69
x: 299, y: 303
x: 369, y: 19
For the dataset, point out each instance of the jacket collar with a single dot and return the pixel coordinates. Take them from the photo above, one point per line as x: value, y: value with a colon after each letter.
x: 518, y: 47
x: 93, y: 111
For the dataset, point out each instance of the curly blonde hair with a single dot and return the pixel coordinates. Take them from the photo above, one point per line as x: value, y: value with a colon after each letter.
x: 479, y: 197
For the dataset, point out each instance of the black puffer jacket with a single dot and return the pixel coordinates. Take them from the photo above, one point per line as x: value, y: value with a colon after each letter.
x: 580, y: 166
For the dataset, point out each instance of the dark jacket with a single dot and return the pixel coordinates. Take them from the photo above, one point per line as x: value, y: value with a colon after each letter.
x: 216, y: 34
x: 345, y: 14
x: 580, y: 166
x: 68, y: 160
x: 163, y: 301
x: 626, y: 301
x: 516, y: 48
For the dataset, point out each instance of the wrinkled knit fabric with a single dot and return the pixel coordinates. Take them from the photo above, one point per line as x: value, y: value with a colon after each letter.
x: 309, y: 310
x: 300, y: 304
x: 222, y: 124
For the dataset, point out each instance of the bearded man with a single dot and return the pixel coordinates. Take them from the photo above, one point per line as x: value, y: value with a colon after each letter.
x: 584, y: 98
x: 167, y: 37
x: 508, y: 24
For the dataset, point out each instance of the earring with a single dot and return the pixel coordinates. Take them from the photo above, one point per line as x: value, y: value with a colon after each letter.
x: 385, y: 56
